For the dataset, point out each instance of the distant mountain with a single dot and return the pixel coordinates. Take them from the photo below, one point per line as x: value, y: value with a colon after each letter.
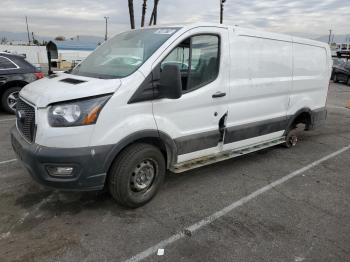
x: 303, y: 35
x: 322, y: 38
x: 82, y: 42
x: 85, y: 42
x: 337, y: 38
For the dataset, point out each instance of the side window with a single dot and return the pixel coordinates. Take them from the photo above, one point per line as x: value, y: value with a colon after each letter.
x: 6, y: 63
x: 198, y: 60
x: 180, y: 56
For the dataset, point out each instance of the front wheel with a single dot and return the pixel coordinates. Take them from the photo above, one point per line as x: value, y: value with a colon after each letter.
x: 136, y: 175
x: 9, y: 99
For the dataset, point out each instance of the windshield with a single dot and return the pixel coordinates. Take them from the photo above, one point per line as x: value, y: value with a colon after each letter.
x: 123, y: 54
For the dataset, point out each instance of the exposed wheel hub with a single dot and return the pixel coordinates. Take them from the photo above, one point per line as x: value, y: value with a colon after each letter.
x: 293, y: 140
x: 143, y: 176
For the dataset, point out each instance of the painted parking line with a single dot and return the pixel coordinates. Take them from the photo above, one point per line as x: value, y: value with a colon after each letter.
x: 210, y: 219
x: 27, y: 214
x: 7, y: 119
x: 8, y: 161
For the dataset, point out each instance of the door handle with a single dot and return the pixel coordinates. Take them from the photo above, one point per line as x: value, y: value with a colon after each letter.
x: 218, y: 94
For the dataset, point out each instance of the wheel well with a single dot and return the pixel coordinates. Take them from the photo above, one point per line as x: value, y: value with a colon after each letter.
x: 10, y: 84
x: 155, y: 141
x: 303, y: 118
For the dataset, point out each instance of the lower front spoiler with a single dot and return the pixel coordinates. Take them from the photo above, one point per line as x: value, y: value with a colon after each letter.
x: 89, y: 169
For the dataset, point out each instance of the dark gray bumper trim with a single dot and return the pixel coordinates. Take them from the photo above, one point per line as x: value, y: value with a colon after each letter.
x: 90, y: 170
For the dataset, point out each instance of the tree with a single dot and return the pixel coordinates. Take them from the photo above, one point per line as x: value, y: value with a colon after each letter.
x: 131, y: 13
x: 154, y: 13
x: 144, y: 7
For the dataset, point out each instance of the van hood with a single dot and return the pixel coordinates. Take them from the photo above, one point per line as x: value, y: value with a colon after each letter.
x: 62, y: 87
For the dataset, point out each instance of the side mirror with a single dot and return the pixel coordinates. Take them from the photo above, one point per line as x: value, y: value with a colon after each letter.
x: 170, y: 85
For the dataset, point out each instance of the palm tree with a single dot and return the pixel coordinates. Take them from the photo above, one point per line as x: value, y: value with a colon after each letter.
x: 154, y: 13
x: 144, y: 7
x: 131, y: 13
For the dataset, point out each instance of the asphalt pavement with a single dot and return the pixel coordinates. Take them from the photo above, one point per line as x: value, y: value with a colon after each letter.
x: 274, y: 205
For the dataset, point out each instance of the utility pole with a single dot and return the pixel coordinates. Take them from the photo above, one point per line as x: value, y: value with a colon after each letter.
x: 222, y: 10
x: 329, y: 37
x: 106, y: 32
x: 28, y: 30
x: 33, y: 39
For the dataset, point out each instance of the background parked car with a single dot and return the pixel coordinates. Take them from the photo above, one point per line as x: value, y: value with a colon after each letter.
x: 341, y: 71
x: 15, y: 73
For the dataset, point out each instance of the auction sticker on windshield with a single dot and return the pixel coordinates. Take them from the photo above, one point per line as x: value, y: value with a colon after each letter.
x: 165, y: 31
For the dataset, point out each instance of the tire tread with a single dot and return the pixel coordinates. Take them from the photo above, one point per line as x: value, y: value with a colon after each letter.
x: 119, y: 166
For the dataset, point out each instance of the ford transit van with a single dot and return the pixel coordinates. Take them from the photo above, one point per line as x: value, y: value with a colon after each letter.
x: 168, y: 98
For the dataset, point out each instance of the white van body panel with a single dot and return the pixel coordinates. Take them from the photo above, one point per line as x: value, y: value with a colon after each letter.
x: 260, y: 81
x: 311, y: 76
x: 119, y: 119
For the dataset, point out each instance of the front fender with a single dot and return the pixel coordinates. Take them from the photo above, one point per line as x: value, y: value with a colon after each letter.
x: 140, y: 135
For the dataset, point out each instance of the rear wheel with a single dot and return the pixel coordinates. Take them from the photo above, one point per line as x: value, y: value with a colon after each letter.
x: 335, y: 78
x: 9, y: 99
x: 136, y: 175
x: 291, y: 138
x: 348, y: 82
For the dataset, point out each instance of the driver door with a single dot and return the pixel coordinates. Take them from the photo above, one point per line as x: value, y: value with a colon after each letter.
x: 196, y: 121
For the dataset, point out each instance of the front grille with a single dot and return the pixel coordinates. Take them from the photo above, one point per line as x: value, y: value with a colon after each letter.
x: 25, y: 119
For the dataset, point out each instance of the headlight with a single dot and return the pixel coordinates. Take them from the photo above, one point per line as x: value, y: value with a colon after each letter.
x: 77, y: 113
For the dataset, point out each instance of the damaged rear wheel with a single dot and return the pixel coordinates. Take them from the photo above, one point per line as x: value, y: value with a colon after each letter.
x: 291, y: 138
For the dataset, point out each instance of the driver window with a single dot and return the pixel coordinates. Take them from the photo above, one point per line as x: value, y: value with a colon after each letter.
x: 198, y: 60
x: 180, y: 57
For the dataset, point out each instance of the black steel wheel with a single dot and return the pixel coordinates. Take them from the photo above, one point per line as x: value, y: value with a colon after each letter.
x: 136, y: 175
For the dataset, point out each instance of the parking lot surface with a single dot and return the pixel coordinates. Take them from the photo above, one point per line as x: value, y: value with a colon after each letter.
x: 230, y: 211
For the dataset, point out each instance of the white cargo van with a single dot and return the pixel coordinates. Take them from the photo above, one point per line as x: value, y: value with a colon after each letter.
x: 171, y: 98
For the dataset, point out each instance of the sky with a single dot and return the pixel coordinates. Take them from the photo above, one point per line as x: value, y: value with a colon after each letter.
x: 85, y: 17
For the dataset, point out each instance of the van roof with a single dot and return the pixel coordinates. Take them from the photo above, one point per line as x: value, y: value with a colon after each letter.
x: 249, y: 32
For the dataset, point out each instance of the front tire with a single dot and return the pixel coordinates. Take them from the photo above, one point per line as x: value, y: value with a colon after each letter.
x: 136, y: 175
x: 9, y: 99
